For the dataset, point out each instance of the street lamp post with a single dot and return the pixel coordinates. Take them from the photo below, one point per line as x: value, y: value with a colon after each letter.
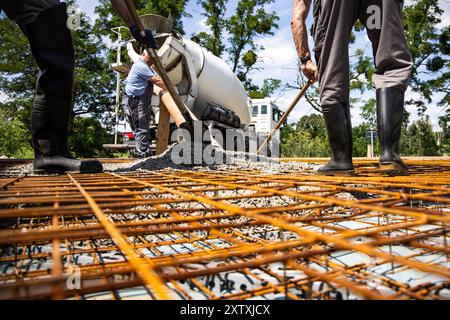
x: 117, y: 31
x: 371, y: 137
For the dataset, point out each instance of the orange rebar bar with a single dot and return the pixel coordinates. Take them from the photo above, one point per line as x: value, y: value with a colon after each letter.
x: 234, y: 234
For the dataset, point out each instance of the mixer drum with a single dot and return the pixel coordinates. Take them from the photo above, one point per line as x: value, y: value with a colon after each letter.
x: 216, y: 83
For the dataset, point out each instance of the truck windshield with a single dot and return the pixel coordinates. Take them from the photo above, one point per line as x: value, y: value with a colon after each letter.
x: 264, y: 109
x: 255, y: 111
x: 276, y: 115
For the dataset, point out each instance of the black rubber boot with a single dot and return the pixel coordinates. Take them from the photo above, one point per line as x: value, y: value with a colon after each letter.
x: 52, y: 47
x: 339, y: 128
x: 390, y: 110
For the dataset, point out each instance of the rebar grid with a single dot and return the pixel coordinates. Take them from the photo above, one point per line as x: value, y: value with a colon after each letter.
x: 240, y: 234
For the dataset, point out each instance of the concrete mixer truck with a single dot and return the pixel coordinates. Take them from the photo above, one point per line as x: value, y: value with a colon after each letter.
x: 205, y: 83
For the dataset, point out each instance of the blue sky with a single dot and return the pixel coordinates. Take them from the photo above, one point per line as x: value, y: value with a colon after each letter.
x: 280, y: 56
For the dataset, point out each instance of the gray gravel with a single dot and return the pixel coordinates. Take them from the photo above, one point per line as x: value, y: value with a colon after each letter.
x: 232, y: 161
x: 17, y: 171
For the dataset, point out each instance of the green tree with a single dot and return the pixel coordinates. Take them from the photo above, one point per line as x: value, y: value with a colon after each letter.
x: 93, y: 78
x: 420, y: 140
x: 214, y: 12
x: 314, y: 125
x: 360, y: 142
x: 235, y: 35
x: 369, y: 114
x: 249, y: 21
x: 445, y: 143
x: 108, y: 19
x: 307, y: 138
x: 87, y: 136
x: 430, y: 49
x: 14, y: 138
x: 266, y: 90
x: 17, y: 74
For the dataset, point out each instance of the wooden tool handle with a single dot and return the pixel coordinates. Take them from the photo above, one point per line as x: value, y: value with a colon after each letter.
x: 285, y: 116
x: 158, y: 64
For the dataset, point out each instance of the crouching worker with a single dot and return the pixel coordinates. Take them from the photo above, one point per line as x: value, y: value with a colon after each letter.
x: 141, y: 84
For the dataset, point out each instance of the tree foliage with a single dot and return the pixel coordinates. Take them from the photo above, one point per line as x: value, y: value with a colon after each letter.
x: 429, y: 44
x: 430, y: 49
x: 419, y: 139
x: 14, y: 138
x: 87, y: 137
x: 445, y: 138
x: 214, y: 13
x: 308, y: 138
x: 249, y: 21
x: 108, y: 19
x: 267, y: 89
x: 94, y: 80
x: 235, y: 36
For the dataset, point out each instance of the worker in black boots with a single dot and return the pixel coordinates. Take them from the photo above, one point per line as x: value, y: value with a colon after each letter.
x: 44, y: 23
x: 333, y: 23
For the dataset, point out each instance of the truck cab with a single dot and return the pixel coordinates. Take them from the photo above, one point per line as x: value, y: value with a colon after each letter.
x: 265, y: 115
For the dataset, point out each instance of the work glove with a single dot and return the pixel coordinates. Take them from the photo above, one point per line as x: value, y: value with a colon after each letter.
x: 148, y: 40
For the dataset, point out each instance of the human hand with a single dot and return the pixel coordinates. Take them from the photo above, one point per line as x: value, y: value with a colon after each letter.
x: 310, y: 71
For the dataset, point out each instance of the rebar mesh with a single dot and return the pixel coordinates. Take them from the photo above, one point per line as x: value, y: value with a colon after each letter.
x: 180, y: 234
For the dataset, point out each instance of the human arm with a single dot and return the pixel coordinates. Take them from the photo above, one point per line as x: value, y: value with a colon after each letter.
x: 300, y: 35
x: 168, y: 103
x: 157, y: 81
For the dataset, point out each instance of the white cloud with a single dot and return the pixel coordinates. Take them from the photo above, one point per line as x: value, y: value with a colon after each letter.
x: 202, y: 25
x: 433, y: 111
x: 88, y: 7
x: 303, y: 108
x: 278, y: 57
x: 445, y: 5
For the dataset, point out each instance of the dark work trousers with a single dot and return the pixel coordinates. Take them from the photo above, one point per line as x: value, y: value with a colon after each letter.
x: 333, y: 23
x: 137, y: 112
x: 44, y: 23
x: 24, y: 12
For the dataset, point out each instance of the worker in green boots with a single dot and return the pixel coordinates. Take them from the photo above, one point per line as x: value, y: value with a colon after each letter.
x: 44, y: 23
x: 333, y: 23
